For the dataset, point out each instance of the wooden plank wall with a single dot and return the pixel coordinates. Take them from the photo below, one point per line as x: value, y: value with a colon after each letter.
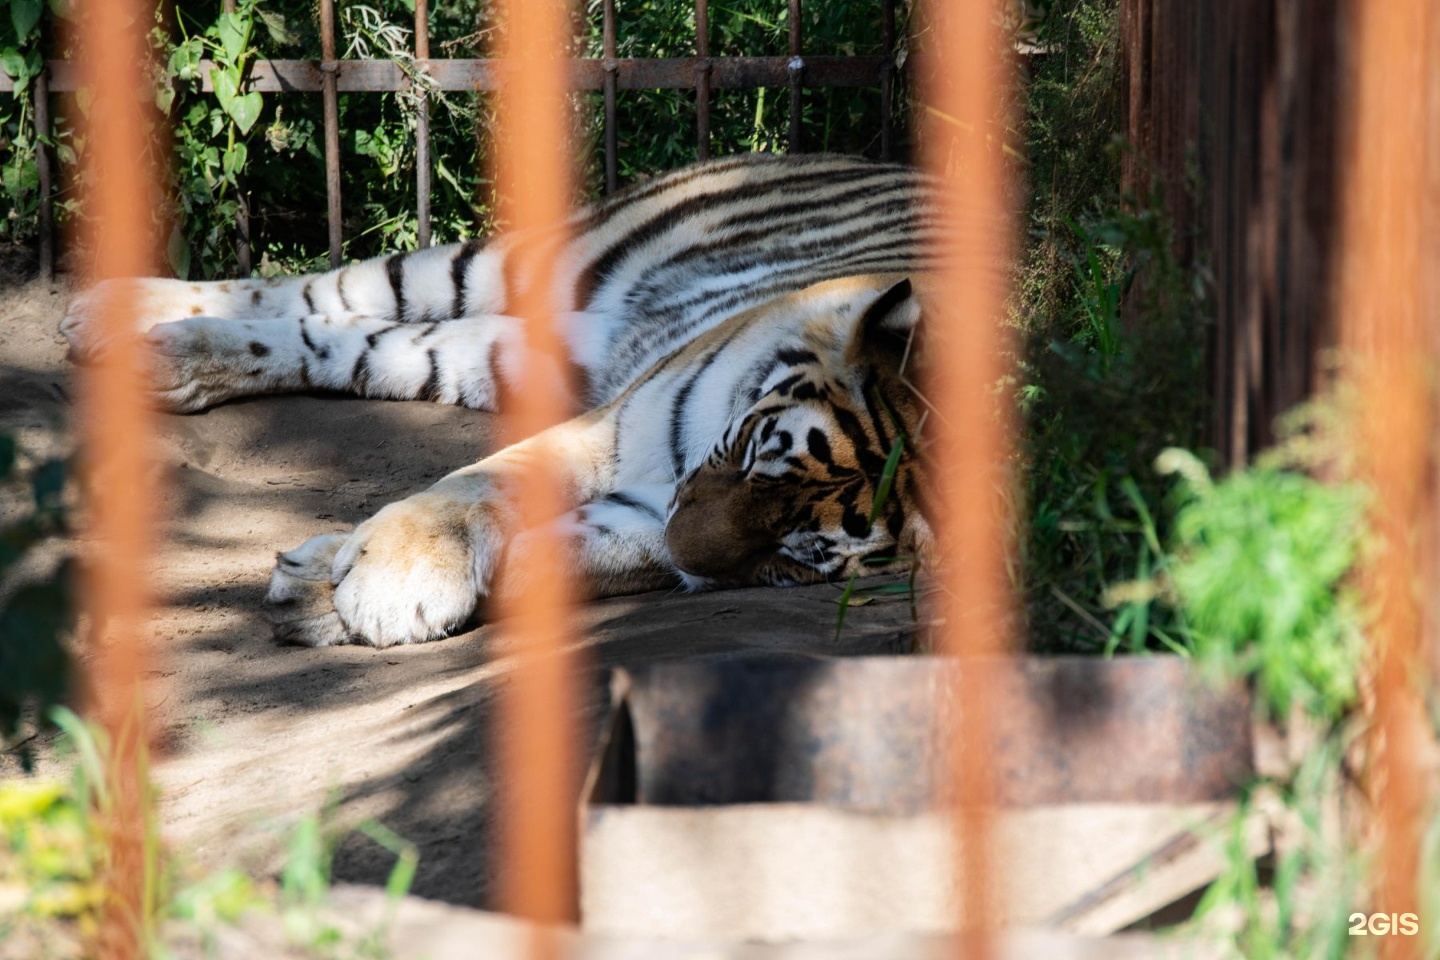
x: 1231, y: 107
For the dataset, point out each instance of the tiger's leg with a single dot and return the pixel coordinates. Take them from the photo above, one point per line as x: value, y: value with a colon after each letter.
x: 418, y: 569
x: 439, y: 283
x: 203, y: 361
x: 613, y: 545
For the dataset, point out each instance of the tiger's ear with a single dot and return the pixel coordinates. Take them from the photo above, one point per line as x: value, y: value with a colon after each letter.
x: 888, y: 329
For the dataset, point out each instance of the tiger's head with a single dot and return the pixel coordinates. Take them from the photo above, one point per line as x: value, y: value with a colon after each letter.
x: 794, y: 492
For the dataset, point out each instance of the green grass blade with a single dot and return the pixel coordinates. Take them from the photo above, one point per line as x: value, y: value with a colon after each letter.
x: 887, y: 479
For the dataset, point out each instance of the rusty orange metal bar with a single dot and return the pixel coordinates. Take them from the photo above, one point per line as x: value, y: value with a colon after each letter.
x: 537, y: 749
x: 1390, y: 347
x: 962, y: 89
x: 120, y: 202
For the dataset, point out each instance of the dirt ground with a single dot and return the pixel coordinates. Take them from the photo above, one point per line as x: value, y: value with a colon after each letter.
x: 251, y: 734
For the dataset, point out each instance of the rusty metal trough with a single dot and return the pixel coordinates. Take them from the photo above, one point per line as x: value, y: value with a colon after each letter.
x: 777, y: 799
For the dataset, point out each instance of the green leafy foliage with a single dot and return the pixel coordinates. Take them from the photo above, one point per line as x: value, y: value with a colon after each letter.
x: 55, y: 847
x: 1112, y: 330
x: 235, y: 150
x: 213, y: 134
x: 20, y: 59
x: 1261, y: 564
x: 1261, y: 567
x: 59, y: 847
x: 1103, y: 395
x: 49, y: 849
x: 306, y: 878
x: 1296, y: 907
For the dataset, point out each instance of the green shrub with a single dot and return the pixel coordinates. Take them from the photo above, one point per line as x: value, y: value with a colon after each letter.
x: 1261, y: 570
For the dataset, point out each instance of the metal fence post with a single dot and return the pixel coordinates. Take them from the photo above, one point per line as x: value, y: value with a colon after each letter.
x: 538, y: 747
x: 120, y: 199
x: 329, y: 76
x: 422, y: 128
x: 611, y: 68
x: 41, y: 93
x: 702, y: 80
x: 1390, y: 341
x: 962, y: 80
x: 796, y: 75
x: 887, y: 81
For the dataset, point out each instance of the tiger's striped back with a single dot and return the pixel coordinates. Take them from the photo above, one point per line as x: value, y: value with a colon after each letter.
x: 661, y: 262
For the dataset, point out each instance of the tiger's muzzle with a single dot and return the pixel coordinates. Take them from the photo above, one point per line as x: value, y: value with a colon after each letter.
x: 718, y: 531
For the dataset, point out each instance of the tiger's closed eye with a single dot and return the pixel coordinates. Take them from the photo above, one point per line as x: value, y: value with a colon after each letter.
x: 751, y: 448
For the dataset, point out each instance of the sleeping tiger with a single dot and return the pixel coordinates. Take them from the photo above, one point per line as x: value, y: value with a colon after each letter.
x: 740, y: 330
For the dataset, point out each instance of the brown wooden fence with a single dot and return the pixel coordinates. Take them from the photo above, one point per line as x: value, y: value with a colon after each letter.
x: 1232, y: 106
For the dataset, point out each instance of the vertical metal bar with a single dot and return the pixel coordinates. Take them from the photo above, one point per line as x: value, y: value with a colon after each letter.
x: 538, y: 748
x: 243, y: 253
x: 41, y: 93
x: 797, y: 74
x: 242, y: 200
x: 887, y: 81
x: 611, y: 80
x: 1391, y: 342
x: 702, y: 80
x: 120, y: 197
x: 329, y: 74
x: 962, y: 80
x: 422, y: 129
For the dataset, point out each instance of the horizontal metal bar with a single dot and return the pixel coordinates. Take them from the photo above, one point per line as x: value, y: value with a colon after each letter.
x: 677, y: 73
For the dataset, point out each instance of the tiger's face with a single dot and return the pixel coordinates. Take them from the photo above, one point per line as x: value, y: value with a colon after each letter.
x: 787, y: 495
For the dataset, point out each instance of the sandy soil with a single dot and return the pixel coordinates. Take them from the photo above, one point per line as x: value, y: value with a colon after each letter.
x: 252, y: 734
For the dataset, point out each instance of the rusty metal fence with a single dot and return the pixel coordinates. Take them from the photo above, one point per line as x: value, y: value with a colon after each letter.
x: 608, y: 74
x: 531, y: 166
x: 1384, y: 284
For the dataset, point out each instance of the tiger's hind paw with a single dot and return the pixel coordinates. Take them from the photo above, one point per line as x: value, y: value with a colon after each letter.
x: 155, y: 300
x: 301, y: 601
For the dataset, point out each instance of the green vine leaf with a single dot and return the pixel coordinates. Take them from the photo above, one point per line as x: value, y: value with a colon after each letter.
x: 12, y: 62
x: 233, y: 160
x: 177, y: 251
x: 185, y: 59
x: 232, y: 31
x: 22, y: 67
x: 244, y: 109
x: 25, y: 14
x: 279, y: 31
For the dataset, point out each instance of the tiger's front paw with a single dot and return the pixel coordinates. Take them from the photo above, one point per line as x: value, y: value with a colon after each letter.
x: 416, y: 570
